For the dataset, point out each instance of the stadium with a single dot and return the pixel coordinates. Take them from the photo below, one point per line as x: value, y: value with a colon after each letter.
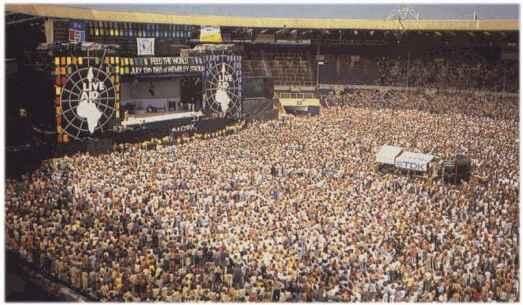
x: 159, y: 155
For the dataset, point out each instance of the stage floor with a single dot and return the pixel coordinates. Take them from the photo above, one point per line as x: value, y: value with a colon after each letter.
x: 138, y: 119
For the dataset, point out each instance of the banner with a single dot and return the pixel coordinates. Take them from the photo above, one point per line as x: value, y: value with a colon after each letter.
x: 76, y: 31
x: 165, y: 65
x: 210, y: 34
x: 293, y: 42
x: 145, y: 46
x: 413, y: 161
x: 297, y: 102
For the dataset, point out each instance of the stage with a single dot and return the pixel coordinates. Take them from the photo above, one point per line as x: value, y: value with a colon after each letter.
x: 146, y: 118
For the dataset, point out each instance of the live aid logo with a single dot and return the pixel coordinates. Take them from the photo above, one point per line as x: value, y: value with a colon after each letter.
x: 92, y: 88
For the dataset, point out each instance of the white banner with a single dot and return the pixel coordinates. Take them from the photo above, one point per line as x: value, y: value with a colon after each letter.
x: 145, y: 46
x: 413, y: 161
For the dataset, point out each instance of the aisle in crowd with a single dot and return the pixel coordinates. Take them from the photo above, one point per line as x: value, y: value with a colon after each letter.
x: 288, y: 210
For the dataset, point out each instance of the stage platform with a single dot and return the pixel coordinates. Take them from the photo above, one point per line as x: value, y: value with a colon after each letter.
x: 139, y: 119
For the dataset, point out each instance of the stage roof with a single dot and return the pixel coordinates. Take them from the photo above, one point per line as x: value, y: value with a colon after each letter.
x: 387, y: 154
x: 502, y: 17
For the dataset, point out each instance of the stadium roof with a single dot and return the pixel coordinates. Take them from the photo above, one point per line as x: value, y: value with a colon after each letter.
x: 443, y: 17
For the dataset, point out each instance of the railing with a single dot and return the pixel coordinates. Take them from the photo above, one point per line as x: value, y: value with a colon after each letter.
x: 446, y: 90
x: 296, y: 95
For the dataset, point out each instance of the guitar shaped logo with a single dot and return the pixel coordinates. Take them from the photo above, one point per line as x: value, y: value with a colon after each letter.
x: 87, y: 108
x: 222, y: 87
x: 222, y: 97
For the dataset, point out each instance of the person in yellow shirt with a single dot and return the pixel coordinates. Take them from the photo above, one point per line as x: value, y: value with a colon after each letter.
x: 118, y: 283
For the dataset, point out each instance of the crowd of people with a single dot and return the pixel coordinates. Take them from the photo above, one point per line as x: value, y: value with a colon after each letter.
x: 287, y: 210
x: 476, y: 104
x: 460, y: 71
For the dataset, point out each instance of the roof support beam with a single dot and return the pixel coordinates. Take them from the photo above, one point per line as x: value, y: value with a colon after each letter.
x: 63, y: 11
x: 23, y: 20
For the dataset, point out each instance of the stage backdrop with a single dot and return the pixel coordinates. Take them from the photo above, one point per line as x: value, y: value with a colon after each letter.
x: 144, y: 93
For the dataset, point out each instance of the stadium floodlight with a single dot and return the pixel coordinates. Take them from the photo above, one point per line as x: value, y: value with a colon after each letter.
x: 403, y: 13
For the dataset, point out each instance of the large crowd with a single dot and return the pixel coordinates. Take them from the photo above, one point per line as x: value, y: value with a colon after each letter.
x: 457, y: 70
x: 287, y: 210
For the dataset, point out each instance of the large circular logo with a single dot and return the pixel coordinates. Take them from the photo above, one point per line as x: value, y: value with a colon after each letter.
x: 87, y: 100
x: 221, y: 92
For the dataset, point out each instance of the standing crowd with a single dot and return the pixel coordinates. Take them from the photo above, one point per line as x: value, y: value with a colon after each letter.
x: 287, y: 210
